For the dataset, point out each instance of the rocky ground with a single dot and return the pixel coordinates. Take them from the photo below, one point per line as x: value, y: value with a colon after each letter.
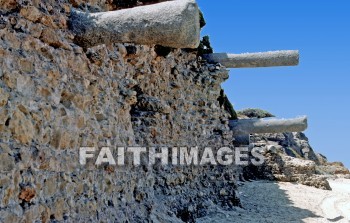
x: 266, y: 201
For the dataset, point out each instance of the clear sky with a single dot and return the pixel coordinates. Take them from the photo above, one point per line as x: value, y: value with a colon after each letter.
x: 319, y: 87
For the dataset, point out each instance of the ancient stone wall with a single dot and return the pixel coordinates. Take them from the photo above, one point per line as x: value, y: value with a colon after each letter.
x: 56, y: 97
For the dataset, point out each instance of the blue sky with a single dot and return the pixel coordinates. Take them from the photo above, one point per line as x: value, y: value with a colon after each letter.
x: 319, y: 87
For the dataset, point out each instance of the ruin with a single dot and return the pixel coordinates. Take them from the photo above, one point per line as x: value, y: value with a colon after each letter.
x: 72, y: 78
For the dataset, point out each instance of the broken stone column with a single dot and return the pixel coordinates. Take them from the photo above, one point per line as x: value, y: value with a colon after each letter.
x: 267, y: 125
x: 263, y: 59
x: 171, y: 24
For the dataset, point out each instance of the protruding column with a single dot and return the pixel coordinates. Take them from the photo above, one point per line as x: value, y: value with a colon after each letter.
x: 171, y: 24
x: 267, y: 125
x: 263, y: 59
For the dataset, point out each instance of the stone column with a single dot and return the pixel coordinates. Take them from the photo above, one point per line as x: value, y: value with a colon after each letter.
x: 263, y: 59
x: 171, y: 24
x: 267, y: 125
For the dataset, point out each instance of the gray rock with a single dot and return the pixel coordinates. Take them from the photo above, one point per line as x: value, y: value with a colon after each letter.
x: 7, y: 162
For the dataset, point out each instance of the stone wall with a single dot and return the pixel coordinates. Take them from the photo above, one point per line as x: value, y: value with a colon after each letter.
x: 56, y: 97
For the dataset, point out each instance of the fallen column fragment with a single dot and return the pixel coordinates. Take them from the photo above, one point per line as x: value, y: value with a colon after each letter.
x: 263, y: 59
x: 267, y: 125
x: 172, y: 24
